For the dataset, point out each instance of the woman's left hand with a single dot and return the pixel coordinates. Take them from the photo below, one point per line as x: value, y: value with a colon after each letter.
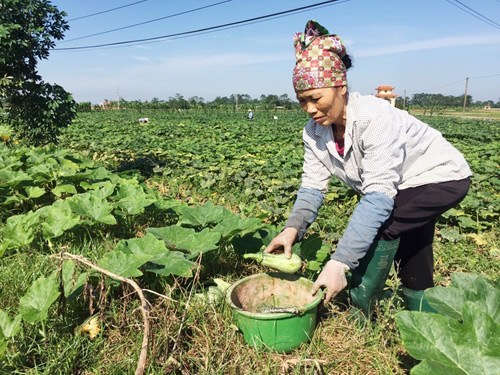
x: 333, y: 278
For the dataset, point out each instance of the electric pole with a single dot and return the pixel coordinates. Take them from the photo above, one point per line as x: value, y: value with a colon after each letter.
x: 465, y: 96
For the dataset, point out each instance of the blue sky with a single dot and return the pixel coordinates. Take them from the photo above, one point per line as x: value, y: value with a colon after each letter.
x: 415, y: 46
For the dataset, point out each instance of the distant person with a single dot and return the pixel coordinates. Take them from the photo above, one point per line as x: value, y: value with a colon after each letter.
x: 405, y: 171
x: 250, y: 114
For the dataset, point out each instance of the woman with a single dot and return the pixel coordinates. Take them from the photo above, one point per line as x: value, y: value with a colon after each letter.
x: 406, y: 172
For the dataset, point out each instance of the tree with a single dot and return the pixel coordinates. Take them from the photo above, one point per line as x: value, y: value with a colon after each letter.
x: 28, y: 30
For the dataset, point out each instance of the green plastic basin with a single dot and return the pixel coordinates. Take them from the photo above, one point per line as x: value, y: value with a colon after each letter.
x: 253, y: 297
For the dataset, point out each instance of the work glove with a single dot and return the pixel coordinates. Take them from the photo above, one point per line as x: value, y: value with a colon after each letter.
x: 283, y: 241
x: 333, y: 278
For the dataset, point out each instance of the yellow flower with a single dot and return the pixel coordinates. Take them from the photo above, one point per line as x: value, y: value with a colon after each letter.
x: 91, y: 326
x: 478, y: 238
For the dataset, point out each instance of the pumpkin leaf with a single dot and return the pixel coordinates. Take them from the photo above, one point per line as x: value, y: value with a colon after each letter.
x: 449, y: 346
x: 123, y: 264
x: 9, y: 327
x: 35, y: 304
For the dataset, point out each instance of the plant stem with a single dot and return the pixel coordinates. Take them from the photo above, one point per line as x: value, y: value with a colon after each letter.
x: 141, y: 364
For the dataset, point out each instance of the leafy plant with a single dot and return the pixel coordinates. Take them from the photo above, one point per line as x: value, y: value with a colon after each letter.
x: 39, y: 112
x: 35, y: 304
x: 29, y: 30
x: 464, y: 338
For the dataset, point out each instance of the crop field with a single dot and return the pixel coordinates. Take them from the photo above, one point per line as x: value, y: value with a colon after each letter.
x: 110, y: 239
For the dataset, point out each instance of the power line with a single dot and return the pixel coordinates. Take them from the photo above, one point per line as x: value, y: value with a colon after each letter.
x: 456, y: 82
x: 225, y: 28
x: 106, y: 11
x: 146, y: 22
x: 474, y: 13
x: 198, y: 30
x: 493, y: 75
x: 440, y: 87
x: 479, y: 14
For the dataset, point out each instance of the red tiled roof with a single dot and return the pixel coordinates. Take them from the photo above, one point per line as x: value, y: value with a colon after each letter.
x: 385, y: 87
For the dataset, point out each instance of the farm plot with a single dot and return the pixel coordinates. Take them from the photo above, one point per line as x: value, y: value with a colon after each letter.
x: 169, y: 205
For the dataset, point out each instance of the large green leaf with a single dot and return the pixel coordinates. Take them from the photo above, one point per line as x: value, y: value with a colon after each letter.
x: 172, y: 262
x: 19, y: 231
x: 67, y: 164
x: 313, y: 251
x: 59, y: 218
x: 249, y: 243
x: 147, y: 245
x: 201, y: 216
x: 168, y: 204
x: 71, y: 281
x: 97, y: 174
x: 34, y: 191
x: 102, y: 189
x: 166, y: 262
x: 447, y: 346
x: 9, y: 327
x: 92, y: 206
x: 43, y: 172
x: 132, y: 199
x: 10, y: 178
x: 465, y: 287
x: 123, y: 264
x: 3, y: 347
x: 187, y: 238
x: 35, y: 304
x: 236, y: 225
x: 64, y: 188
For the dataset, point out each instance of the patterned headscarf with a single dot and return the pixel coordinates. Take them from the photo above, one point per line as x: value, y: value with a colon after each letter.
x: 319, y: 59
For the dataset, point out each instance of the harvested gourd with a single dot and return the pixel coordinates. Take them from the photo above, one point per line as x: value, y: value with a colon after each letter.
x: 277, y: 261
x: 213, y: 294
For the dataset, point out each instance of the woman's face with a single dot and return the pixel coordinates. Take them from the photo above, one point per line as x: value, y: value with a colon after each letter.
x: 326, y: 106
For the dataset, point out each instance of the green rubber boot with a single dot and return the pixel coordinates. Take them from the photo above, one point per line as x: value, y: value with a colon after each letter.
x: 415, y: 300
x: 368, y: 279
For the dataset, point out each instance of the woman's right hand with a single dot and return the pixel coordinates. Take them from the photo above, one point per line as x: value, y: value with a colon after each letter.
x: 283, y: 241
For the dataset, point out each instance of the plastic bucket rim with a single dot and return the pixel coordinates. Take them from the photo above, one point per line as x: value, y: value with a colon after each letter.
x: 271, y: 316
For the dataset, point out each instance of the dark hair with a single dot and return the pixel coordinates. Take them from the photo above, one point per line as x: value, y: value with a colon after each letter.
x: 347, y: 61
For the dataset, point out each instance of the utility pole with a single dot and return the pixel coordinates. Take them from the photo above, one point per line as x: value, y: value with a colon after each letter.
x: 404, y: 99
x: 465, y: 96
x: 118, y: 93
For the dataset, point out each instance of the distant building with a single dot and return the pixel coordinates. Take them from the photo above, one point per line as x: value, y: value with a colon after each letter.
x: 385, y: 92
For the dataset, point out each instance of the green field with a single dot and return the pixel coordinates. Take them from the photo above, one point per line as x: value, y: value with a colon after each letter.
x: 174, y: 203
x: 474, y: 114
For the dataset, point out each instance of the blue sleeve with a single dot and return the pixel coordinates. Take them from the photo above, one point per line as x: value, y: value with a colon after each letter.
x: 372, y: 211
x: 305, y: 210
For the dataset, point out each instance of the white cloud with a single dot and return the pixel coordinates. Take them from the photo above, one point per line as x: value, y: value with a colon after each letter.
x: 217, y: 61
x: 463, y: 41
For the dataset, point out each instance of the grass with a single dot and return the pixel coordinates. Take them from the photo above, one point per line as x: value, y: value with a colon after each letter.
x: 195, y: 338
x: 186, y: 338
x: 189, y: 337
x: 489, y: 114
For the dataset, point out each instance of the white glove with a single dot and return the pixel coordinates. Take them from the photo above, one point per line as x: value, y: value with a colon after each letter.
x: 283, y: 241
x: 333, y: 278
